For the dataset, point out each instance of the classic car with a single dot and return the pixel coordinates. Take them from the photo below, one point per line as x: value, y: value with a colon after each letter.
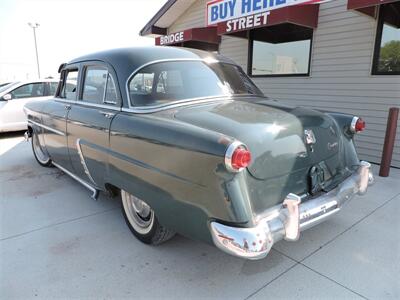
x: 13, y: 97
x: 192, y: 146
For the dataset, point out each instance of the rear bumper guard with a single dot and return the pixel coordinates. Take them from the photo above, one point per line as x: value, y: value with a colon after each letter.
x: 287, y: 220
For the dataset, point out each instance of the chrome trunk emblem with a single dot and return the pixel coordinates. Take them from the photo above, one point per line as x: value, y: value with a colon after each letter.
x: 309, y: 137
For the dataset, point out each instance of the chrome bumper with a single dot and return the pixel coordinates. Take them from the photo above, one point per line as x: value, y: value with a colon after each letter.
x: 287, y: 220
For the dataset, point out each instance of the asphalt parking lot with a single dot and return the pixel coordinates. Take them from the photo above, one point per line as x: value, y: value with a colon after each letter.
x: 57, y: 242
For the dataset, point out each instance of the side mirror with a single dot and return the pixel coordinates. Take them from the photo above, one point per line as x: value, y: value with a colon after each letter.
x: 6, y: 97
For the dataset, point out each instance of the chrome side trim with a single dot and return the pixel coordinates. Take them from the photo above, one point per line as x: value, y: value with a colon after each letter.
x: 152, y: 109
x: 47, y: 128
x: 84, y: 183
x: 287, y: 220
x: 83, y: 162
x: 103, y: 106
x: 65, y: 100
x: 83, y: 103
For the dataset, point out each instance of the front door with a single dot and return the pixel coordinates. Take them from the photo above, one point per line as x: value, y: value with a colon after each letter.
x: 55, y: 115
x: 89, y: 121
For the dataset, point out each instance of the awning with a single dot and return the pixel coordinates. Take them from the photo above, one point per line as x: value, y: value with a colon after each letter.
x: 367, y: 7
x: 302, y: 15
x: 205, y: 38
x: 355, y: 4
x: 165, y: 17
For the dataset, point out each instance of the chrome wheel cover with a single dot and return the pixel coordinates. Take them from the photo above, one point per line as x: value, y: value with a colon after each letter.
x: 41, y: 155
x: 139, y: 214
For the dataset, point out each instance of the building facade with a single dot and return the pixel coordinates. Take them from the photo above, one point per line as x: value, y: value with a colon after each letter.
x: 340, y: 55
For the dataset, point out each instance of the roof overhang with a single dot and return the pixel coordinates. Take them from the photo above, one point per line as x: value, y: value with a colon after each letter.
x: 356, y: 4
x: 165, y: 17
x: 203, y: 34
x: 367, y: 7
x: 302, y: 15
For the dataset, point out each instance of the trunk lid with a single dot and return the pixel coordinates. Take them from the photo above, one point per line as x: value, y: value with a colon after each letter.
x: 275, y: 135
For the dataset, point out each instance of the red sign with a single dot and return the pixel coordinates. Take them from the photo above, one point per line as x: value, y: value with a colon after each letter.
x: 203, y: 34
x: 243, y: 23
x: 305, y: 15
x: 170, y: 39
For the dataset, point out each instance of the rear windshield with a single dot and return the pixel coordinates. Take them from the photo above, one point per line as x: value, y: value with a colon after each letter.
x: 164, y: 82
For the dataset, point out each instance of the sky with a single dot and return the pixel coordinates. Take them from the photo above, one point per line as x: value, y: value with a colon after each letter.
x: 68, y: 29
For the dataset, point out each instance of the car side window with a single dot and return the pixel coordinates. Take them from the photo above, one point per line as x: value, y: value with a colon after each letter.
x: 52, y: 88
x: 68, y: 90
x: 158, y: 87
x: 94, y: 84
x: 111, y: 96
x: 141, y: 88
x: 28, y: 91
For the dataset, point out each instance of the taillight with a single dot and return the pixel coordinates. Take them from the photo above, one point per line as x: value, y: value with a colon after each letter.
x: 357, y: 125
x: 237, y: 157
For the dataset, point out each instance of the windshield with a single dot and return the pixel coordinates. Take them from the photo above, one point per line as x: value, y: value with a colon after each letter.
x: 165, y: 82
x: 7, y: 86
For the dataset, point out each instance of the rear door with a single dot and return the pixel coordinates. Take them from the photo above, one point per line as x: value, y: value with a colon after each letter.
x: 55, y: 117
x: 89, y: 121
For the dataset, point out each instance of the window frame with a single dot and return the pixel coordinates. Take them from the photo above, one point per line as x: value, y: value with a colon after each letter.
x: 155, y: 108
x: 63, y: 81
x: 82, y: 82
x: 250, y: 61
x: 377, y: 45
x: 110, y: 73
x: 105, y: 102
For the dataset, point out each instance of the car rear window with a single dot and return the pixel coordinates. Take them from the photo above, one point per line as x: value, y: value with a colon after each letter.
x: 164, y: 82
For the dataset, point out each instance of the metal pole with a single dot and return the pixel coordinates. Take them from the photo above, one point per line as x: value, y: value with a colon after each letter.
x: 34, y: 26
x: 388, y: 146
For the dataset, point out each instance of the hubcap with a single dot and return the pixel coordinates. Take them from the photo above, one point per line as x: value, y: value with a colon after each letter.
x: 139, y: 214
x: 40, y: 154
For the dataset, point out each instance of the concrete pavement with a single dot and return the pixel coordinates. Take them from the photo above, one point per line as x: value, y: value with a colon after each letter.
x: 56, y: 242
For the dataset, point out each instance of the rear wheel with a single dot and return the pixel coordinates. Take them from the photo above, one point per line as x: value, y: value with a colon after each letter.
x: 142, y: 221
x: 41, y: 155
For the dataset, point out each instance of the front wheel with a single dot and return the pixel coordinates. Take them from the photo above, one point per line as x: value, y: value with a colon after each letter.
x: 142, y: 221
x: 40, y: 154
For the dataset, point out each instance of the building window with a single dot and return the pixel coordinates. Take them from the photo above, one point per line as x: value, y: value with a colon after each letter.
x: 282, y: 50
x: 387, y: 44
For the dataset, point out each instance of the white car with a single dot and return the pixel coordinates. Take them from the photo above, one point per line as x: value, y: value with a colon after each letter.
x: 15, y: 95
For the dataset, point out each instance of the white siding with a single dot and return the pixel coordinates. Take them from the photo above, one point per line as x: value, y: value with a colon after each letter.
x: 340, y: 78
x: 193, y: 17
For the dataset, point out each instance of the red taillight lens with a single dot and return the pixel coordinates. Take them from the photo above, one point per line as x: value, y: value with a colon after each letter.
x: 357, y: 125
x: 360, y: 125
x: 241, y: 158
x: 237, y: 157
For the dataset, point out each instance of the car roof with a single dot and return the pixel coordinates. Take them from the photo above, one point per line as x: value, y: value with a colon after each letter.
x: 126, y: 60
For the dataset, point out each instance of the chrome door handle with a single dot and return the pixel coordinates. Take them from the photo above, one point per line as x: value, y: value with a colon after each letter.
x: 67, y: 106
x: 107, y: 114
